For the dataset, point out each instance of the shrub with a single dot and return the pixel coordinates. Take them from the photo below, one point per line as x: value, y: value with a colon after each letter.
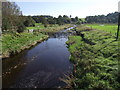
x: 21, y: 28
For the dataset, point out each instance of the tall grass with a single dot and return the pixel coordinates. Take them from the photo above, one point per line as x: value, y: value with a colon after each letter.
x: 15, y: 42
x: 96, y: 66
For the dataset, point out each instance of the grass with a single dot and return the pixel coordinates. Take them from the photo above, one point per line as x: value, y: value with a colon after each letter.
x: 54, y: 28
x: 15, y: 42
x: 111, y: 28
x: 83, y: 19
x: 95, y: 66
x: 37, y: 26
x: 50, y: 28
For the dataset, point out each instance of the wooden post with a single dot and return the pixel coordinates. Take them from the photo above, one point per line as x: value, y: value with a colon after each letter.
x: 118, y: 26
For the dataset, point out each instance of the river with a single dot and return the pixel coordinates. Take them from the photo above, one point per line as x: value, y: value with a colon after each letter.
x: 41, y: 66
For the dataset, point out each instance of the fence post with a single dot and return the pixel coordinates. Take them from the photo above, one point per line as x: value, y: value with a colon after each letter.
x: 118, y: 26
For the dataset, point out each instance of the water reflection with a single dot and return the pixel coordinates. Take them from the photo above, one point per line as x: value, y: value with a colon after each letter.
x: 11, y: 68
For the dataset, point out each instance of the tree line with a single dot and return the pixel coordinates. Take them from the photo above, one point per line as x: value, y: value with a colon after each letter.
x: 109, y: 18
x: 60, y: 20
x: 14, y: 21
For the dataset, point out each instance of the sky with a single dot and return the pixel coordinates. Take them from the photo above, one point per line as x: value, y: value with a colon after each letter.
x: 80, y: 8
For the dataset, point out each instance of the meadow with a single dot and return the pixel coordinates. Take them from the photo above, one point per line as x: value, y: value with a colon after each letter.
x: 111, y: 28
x: 37, y: 26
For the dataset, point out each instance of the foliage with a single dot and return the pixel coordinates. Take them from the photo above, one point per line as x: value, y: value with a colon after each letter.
x: 109, y: 18
x: 12, y: 16
x: 21, y: 27
x: 29, y: 21
x: 60, y: 20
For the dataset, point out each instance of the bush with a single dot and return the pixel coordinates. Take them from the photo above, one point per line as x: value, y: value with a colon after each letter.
x: 21, y: 28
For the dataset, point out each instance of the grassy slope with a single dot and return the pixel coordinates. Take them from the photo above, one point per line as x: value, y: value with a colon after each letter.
x: 15, y: 42
x: 96, y: 65
x: 112, y: 28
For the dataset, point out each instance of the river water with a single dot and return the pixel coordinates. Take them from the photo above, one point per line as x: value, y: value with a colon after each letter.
x: 41, y: 66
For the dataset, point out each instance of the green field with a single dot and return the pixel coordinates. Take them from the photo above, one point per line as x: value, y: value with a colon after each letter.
x: 112, y: 28
x: 37, y: 26
x: 41, y: 26
x: 95, y: 65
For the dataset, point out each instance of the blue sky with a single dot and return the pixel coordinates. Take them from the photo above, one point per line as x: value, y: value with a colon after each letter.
x: 80, y: 8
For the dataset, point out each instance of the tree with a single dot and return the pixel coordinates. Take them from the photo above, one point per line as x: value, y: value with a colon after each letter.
x: 60, y: 20
x: 109, y: 18
x: 73, y: 19
x: 66, y: 19
x: 29, y: 21
x: 11, y: 16
x: 76, y: 18
x: 51, y: 20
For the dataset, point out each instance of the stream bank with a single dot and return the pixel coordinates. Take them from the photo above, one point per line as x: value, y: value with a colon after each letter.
x: 94, y: 54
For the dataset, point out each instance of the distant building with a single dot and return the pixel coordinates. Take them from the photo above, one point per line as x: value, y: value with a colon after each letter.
x: 30, y: 30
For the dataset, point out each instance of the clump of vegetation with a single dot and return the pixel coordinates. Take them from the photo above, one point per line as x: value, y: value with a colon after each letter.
x: 95, y: 66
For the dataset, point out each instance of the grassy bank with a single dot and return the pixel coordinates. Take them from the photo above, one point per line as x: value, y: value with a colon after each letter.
x: 14, y: 43
x: 95, y: 60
